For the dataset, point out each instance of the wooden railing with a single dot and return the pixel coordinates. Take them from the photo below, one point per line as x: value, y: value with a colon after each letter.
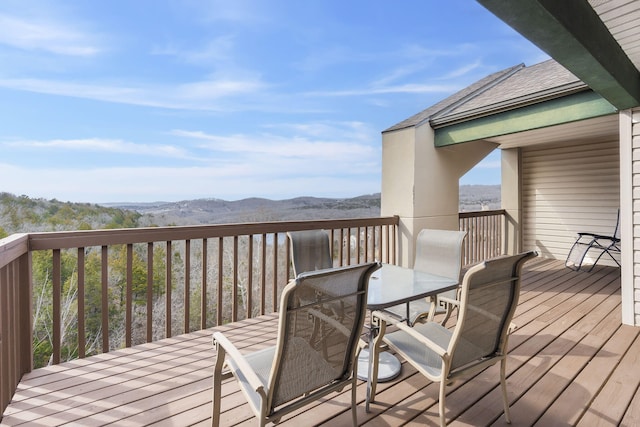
x: 15, y: 315
x: 168, y: 280
x: 146, y: 284
x: 484, y: 235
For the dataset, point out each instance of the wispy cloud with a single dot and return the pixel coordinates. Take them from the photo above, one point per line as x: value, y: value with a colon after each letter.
x: 197, y: 95
x: 227, y: 182
x: 214, y: 51
x: 100, y: 145
x: 408, y: 88
x: 463, y: 70
x: 309, y: 142
x: 41, y: 35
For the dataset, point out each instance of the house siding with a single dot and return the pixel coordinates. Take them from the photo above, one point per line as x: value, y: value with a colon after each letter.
x: 569, y: 188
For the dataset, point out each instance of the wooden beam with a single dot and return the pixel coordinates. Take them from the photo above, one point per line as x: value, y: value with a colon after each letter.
x: 572, y: 108
x: 573, y: 34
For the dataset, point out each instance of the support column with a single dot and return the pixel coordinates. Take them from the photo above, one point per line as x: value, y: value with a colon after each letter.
x: 420, y: 183
x: 511, y: 200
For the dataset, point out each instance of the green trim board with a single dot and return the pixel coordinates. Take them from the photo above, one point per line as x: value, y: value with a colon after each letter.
x: 579, y: 106
x: 573, y: 34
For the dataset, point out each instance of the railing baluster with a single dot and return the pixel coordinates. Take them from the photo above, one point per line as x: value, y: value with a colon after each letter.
x: 234, y: 306
x: 203, y: 298
x: 56, y: 298
x: 263, y: 274
x: 168, y: 281
x: 249, y: 277
x: 149, y: 291
x: 219, y: 301
x: 341, y: 247
x: 187, y: 286
x: 105, y: 298
x: 82, y: 342
x: 275, y: 271
x: 128, y: 314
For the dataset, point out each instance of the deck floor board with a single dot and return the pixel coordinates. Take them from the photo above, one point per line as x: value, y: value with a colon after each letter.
x: 571, y: 362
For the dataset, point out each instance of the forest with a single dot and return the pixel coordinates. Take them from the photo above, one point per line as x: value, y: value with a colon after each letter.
x: 20, y: 214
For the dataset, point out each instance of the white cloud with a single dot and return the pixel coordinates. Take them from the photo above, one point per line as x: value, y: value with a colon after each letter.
x: 489, y: 164
x: 173, y: 183
x: 101, y: 145
x: 461, y: 71
x: 53, y: 37
x: 344, y: 143
x: 412, y: 88
x: 198, y: 95
x: 214, y: 51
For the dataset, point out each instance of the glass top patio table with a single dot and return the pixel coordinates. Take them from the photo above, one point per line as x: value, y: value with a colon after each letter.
x: 392, y: 285
x: 388, y: 286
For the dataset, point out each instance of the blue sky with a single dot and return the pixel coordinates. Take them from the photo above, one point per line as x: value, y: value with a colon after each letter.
x: 171, y: 100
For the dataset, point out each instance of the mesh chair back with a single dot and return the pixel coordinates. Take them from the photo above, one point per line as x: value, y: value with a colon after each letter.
x: 488, y: 300
x: 305, y: 358
x: 439, y: 252
x: 310, y: 250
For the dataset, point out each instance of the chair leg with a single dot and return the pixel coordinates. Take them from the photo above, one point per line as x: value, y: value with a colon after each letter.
x: 503, y: 384
x: 447, y: 314
x: 354, y: 409
x: 375, y: 353
x: 441, y: 407
x: 217, y: 386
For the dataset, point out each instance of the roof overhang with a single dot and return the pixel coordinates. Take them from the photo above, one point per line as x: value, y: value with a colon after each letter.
x: 572, y: 33
x: 568, y: 109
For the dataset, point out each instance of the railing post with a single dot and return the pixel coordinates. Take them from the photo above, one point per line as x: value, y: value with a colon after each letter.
x: 26, y: 310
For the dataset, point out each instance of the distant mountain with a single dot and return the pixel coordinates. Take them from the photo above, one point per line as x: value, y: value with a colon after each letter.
x: 23, y: 214
x: 479, y: 197
x: 216, y: 211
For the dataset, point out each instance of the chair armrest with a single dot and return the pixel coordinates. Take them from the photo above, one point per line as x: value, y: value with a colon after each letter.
x: 449, y: 300
x: 595, y: 237
x: 440, y: 351
x: 225, y: 347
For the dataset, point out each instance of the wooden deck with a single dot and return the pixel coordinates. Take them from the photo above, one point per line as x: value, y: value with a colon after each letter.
x: 571, y: 362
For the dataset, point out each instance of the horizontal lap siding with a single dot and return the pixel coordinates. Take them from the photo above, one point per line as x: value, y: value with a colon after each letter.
x: 566, y: 189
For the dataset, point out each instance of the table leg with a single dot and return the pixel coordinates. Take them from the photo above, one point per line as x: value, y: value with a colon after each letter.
x: 370, y: 368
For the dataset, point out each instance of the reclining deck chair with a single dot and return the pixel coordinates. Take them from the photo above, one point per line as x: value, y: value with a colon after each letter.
x: 488, y: 300
x: 291, y: 374
x: 438, y: 252
x: 596, y: 245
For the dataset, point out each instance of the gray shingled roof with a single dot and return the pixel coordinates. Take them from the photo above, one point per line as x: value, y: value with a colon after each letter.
x: 507, y: 88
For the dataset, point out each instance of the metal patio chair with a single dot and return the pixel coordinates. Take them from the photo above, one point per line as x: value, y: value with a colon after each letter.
x: 488, y: 300
x: 294, y: 372
x: 438, y: 252
x: 310, y: 250
x: 596, y: 245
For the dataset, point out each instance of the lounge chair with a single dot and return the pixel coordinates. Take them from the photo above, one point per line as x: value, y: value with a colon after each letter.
x: 488, y: 300
x: 283, y: 378
x: 594, y: 245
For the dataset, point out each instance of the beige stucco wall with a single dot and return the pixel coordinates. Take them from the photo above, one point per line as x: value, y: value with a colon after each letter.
x: 511, y: 199
x: 420, y: 182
